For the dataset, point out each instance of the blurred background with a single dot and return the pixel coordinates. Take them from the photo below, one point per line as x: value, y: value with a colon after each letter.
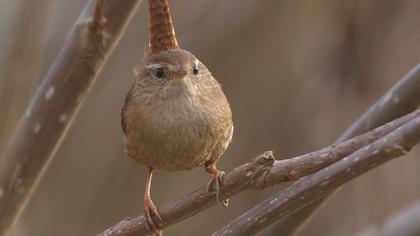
x: 297, y: 74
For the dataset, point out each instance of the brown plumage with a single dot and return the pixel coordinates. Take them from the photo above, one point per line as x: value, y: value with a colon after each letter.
x: 175, y: 116
x: 177, y: 122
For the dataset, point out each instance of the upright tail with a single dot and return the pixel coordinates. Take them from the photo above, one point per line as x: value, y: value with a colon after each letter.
x: 162, y: 33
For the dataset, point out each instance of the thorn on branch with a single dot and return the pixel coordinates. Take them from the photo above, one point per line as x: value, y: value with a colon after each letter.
x: 99, y: 21
x: 96, y: 37
x: 97, y: 25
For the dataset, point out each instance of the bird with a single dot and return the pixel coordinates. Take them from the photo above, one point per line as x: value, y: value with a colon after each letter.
x: 175, y: 116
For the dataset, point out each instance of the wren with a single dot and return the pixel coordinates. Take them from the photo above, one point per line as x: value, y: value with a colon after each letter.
x: 176, y: 116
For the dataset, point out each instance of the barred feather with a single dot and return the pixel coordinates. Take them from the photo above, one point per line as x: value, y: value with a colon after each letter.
x: 162, y: 33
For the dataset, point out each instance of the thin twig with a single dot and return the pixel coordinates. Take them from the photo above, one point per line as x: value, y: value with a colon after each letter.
x: 259, y: 173
x: 401, y: 99
x: 397, y: 143
x: 56, y: 102
x: 294, y: 168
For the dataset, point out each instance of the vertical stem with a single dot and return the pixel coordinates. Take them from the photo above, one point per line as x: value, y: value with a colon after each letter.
x: 56, y: 102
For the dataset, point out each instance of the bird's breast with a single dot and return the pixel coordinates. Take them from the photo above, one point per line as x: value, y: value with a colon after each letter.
x: 175, y: 134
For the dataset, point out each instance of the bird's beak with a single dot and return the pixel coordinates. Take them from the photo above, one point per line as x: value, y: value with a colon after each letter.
x: 179, y: 73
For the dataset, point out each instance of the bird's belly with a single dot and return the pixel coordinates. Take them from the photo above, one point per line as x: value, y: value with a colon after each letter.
x: 172, y: 144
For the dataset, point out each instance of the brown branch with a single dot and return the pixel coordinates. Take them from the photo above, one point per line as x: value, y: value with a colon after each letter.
x: 401, y: 99
x: 56, y: 101
x: 294, y: 168
x: 397, y: 143
x: 259, y: 173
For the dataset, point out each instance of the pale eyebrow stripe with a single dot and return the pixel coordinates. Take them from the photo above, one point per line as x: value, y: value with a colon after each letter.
x: 153, y: 66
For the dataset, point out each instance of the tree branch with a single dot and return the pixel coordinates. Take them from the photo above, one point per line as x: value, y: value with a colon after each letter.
x: 401, y: 99
x: 259, y: 173
x: 56, y: 102
x: 397, y: 143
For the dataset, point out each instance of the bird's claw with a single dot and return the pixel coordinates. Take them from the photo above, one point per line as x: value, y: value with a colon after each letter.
x: 153, y: 219
x: 215, y: 184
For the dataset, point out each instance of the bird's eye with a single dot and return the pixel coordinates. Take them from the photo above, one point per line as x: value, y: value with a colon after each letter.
x: 159, y: 73
x: 195, y: 70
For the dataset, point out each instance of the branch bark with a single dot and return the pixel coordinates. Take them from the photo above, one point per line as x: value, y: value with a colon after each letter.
x: 56, y: 102
x: 401, y: 99
x: 259, y: 173
x: 397, y: 143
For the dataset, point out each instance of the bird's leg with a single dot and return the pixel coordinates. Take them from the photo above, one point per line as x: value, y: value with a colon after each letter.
x: 153, y: 218
x: 216, y: 182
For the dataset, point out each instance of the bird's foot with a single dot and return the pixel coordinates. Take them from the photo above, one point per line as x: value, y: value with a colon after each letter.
x: 215, y: 184
x: 153, y: 218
